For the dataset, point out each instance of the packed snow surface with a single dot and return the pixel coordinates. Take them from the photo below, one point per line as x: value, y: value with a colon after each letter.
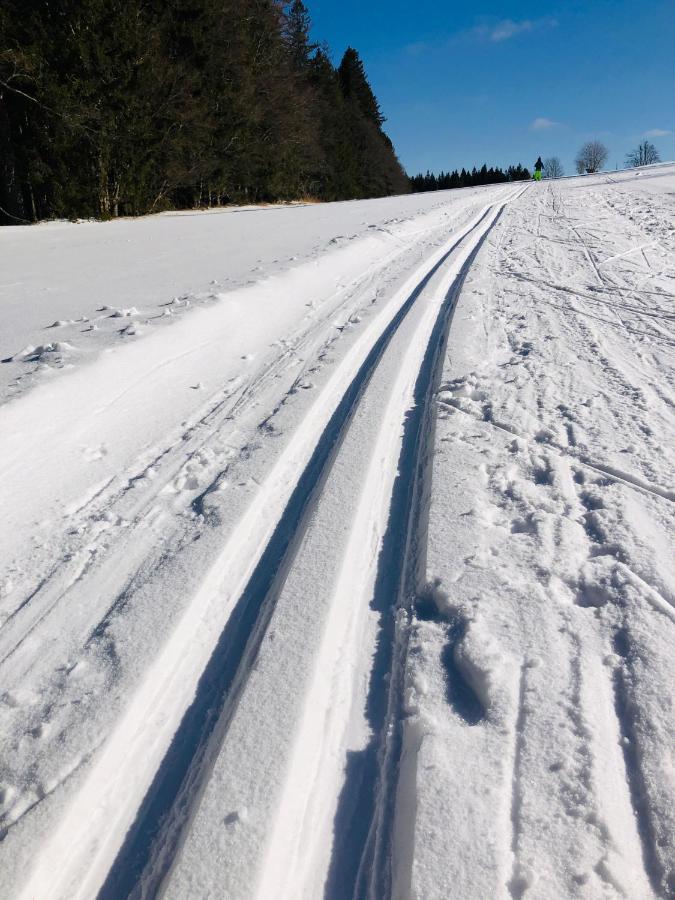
x: 336, y: 555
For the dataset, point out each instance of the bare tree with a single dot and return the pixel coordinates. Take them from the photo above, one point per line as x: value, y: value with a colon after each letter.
x: 645, y: 154
x: 553, y: 168
x: 592, y: 156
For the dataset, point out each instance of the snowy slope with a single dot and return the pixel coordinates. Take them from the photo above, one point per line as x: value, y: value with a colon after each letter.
x: 551, y: 556
x: 298, y: 599
x: 82, y: 285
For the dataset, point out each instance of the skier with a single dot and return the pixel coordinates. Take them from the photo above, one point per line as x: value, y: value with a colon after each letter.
x: 538, y: 166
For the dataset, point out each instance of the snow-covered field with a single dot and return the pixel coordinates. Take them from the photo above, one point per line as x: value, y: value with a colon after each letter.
x: 336, y: 554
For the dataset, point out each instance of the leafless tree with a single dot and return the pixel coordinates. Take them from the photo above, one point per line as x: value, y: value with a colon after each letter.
x: 645, y: 154
x: 553, y: 168
x: 592, y: 156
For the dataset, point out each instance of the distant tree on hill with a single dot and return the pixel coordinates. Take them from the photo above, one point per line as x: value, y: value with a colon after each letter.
x: 518, y: 173
x: 591, y: 157
x: 553, y: 168
x: 450, y: 180
x: 645, y: 154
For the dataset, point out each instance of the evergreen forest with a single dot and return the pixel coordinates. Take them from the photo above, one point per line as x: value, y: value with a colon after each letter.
x: 448, y: 180
x: 128, y: 107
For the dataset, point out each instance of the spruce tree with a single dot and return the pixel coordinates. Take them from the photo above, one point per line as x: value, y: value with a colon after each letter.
x: 356, y: 87
x: 380, y: 172
x: 296, y: 34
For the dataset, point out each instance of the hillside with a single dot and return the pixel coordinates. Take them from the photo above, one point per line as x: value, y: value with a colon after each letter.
x: 337, y: 548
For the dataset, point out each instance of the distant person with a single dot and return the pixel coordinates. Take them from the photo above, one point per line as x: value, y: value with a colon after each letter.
x: 538, y: 166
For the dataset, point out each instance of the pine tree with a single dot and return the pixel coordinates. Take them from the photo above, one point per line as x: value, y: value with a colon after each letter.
x: 296, y: 34
x: 356, y: 87
x: 338, y: 172
x: 380, y: 172
x: 448, y: 181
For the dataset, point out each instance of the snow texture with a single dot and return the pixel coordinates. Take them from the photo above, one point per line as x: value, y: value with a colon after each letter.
x: 337, y: 549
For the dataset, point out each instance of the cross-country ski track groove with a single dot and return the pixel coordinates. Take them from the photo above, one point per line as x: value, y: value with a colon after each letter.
x: 166, y: 464
x: 188, y: 696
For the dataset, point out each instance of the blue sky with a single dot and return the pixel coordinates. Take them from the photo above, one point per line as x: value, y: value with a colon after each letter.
x: 466, y: 83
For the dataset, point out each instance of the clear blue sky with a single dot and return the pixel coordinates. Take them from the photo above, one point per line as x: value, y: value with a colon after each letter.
x: 467, y: 83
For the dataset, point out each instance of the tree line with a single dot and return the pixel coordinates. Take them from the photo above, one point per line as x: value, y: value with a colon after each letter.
x: 127, y: 107
x: 449, y: 180
x: 591, y: 158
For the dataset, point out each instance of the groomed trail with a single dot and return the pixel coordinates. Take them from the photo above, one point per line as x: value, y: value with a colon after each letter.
x: 357, y: 581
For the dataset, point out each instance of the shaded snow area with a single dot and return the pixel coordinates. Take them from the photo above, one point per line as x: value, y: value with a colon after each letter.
x: 337, y: 549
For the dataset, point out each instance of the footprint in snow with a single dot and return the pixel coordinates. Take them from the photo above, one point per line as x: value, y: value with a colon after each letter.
x: 41, y: 352
x: 92, y: 454
x: 235, y: 818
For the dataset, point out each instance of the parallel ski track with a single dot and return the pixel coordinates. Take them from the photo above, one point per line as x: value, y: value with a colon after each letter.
x: 401, y: 572
x: 168, y: 460
x: 153, y: 841
x: 155, y: 836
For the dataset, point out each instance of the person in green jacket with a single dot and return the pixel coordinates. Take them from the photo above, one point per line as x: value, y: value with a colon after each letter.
x: 538, y: 166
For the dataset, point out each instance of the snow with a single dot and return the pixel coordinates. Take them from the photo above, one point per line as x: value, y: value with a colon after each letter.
x: 339, y: 608
x: 551, y: 530
x: 91, y: 274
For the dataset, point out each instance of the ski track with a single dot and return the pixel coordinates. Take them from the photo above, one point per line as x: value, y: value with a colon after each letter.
x: 174, y: 468
x: 534, y: 465
x: 408, y: 576
x: 252, y: 514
